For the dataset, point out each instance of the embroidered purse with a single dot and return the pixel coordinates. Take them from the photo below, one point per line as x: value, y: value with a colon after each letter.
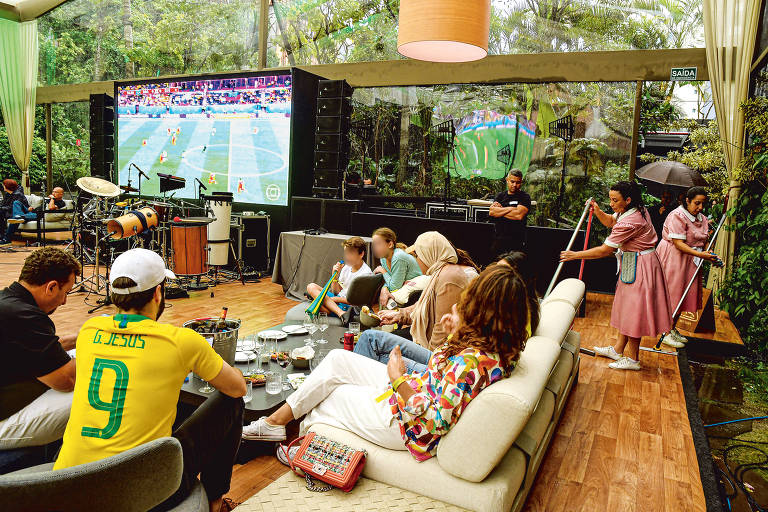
x: 628, y: 267
x: 331, y: 462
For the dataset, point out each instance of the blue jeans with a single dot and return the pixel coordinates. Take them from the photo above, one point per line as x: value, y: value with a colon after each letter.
x: 377, y: 345
x: 18, y: 211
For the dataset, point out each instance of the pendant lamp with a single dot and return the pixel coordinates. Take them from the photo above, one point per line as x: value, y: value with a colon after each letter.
x: 444, y: 30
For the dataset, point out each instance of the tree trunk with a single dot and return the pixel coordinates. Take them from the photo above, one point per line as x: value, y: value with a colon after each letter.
x: 402, y: 169
x: 130, y: 70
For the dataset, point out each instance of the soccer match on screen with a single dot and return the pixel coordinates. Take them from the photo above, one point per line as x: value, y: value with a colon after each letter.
x: 232, y: 134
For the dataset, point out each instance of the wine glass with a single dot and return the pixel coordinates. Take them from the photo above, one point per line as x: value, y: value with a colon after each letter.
x: 258, y: 346
x: 207, y: 388
x: 284, y: 365
x: 248, y: 391
x: 248, y: 345
x: 307, y: 324
x: 322, y: 323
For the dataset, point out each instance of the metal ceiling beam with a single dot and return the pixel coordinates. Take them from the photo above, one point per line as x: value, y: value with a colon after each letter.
x: 615, y: 66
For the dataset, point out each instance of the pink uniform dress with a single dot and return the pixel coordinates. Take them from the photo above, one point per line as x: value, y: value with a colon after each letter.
x: 641, y: 308
x: 678, y: 266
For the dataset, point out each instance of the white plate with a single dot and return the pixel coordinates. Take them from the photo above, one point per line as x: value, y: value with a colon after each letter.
x: 295, y: 329
x: 280, y: 335
x: 244, y: 357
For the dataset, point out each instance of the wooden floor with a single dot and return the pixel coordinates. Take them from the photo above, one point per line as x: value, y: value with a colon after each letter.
x: 623, y: 444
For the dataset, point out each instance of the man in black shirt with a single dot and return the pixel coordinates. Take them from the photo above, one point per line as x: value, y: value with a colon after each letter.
x: 36, y: 374
x: 509, y: 212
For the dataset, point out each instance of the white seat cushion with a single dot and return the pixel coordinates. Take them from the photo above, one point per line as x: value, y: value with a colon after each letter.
x: 568, y: 290
x: 497, y: 415
x: 556, y: 319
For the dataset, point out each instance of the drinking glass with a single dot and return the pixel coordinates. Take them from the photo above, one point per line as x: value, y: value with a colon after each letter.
x: 322, y: 324
x: 207, y: 388
x: 249, y: 391
x: 273, y: 386
x: 354, y: 328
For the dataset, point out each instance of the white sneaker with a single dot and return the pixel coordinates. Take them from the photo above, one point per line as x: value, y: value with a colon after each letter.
x: 678, y: 337
x: 669, y: 339
x: 625, y: 363
x: 608, y: 352
x: 260, y: 430
x: 282, y: 457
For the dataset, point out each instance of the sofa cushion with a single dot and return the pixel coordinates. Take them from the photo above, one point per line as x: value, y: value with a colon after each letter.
x: 34, y: 200
x: 568, y: 290
x: 555, y: 321
x: 530, y: 438
x: 497, y: 415
x: 398, y: 468
x: 295, y: 315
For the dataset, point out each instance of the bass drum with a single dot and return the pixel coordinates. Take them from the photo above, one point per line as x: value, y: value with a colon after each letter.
x: 133, y: 223
x: 189, y: 242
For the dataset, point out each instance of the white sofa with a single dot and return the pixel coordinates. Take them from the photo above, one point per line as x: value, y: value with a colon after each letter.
x: 54, y: 221
x: 489, y: 459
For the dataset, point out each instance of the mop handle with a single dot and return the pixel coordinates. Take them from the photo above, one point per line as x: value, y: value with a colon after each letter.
x: 570, y: 244
x: 586, y: 243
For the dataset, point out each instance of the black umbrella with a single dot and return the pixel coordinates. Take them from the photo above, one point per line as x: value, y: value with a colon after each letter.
x: 669, y: 174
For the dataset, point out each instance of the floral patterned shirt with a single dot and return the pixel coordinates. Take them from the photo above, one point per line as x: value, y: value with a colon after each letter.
x: 441, y: 396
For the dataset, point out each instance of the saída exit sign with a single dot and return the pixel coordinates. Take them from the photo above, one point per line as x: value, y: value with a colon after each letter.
x: 683, y: 74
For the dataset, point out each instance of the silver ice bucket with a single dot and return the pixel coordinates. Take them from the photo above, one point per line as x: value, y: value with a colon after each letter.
x: 224, y: 342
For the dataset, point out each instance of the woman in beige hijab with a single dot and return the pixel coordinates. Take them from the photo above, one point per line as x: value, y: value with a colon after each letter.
x: 451, y: 270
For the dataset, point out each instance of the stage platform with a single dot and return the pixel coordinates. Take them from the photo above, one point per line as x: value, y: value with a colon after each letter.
x: 624, y: 442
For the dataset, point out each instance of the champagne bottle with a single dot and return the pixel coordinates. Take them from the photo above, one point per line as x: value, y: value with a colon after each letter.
x: 221, y: 323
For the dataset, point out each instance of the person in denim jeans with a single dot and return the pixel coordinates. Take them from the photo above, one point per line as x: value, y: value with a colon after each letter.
x: 377, y: 345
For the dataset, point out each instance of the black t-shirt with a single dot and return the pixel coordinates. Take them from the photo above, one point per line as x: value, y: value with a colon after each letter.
x: 59, y: 203
x: 657, y: 219
x: 29, y: 348
x: 509, y: 227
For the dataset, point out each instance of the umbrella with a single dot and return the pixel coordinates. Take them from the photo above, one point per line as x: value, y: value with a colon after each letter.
x: 314, y: 307
x: 667, y: 173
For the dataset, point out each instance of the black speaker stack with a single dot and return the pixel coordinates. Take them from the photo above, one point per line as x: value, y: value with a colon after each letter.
x: 102, y: 120
x: 334, y: 111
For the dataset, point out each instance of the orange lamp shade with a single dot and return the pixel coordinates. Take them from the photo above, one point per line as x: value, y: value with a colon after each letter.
x: 444, y: 30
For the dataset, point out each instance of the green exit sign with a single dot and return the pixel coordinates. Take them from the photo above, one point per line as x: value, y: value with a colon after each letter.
x: 683, y: 74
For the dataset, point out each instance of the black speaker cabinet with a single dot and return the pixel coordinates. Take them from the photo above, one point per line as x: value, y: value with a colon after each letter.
x: 334, y: 107
x: 333, y: 124
x: 333, y: 89
x: 255, y: 236
x: 337, y: 215
x: 306, y: 213
x: 336, y: 142
x: 102, y: 133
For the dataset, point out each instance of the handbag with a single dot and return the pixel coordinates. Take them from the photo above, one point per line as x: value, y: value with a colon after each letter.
x: 331, y: 462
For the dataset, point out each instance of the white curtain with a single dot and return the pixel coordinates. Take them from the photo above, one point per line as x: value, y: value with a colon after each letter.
x: 18, y: 85
x: 730, y: 29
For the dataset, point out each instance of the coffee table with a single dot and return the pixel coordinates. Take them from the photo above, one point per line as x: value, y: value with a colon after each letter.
x: 262, y: 403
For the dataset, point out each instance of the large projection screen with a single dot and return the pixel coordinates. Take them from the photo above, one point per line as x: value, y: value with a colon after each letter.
x: 233, y: 134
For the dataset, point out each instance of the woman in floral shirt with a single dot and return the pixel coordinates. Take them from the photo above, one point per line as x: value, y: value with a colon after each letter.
x: 383, y: 404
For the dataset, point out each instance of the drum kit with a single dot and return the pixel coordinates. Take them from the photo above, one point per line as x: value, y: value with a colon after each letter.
x: 106, y: 225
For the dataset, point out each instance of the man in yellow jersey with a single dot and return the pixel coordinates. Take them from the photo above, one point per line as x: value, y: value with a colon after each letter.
x: 130, y: 370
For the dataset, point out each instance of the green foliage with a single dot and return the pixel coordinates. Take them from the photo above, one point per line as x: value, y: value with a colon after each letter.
x: 589, y: 152
x: 754, y: 165
x: 743, y: 293
x: 657, y: 113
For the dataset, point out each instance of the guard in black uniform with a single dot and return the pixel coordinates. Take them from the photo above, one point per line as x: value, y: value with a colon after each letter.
x: 509, y: 212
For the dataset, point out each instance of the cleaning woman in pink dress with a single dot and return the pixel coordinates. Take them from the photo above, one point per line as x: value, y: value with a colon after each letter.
x: 641, y: 303
x: 684, y: 237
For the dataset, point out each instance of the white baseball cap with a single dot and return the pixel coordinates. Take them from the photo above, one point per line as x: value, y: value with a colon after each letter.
x: 144, y: 267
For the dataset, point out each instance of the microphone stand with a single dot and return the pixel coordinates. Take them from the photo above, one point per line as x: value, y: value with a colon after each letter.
x: 106, y: 301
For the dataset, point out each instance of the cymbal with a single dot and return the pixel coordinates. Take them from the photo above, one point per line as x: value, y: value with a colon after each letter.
x: 126, y: 188
x: 98, y: 186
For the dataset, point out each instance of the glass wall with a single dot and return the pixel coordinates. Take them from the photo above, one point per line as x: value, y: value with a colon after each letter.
x: 330, y: 31
x: 92, y: 40
x: 494, y: 125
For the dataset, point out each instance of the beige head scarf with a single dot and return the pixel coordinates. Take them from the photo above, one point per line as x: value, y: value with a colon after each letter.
x: 435, y: 251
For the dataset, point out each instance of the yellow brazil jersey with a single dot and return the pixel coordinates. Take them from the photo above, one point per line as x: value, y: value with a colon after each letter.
x: 129, y: 373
